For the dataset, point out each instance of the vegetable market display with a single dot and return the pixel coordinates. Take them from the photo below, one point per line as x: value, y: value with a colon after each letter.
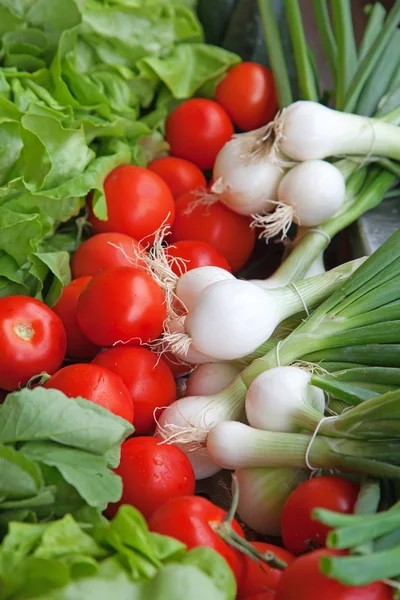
x: 150, y: 150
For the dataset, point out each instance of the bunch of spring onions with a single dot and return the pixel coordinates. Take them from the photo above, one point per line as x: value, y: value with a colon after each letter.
x: 292, y: 170
x: 352, y: 342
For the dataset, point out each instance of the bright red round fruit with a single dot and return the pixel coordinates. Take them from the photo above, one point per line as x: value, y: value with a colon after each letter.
x: 189, y: 520
x: 226, y: 231
x: 303, y: 580
x: 138, y: 203
x: 152, y: 473
x: 105, y: 251
x: 78, y: 345
x: 122, y: 305
x: 147, y: 377
x: 97, y: 384
x: 258, y: 579
x: 193, y: 254
x: 299, y: 530
x: 179, y: 174
x: 32, y: 340
x: 248, y: 94
x: 196, y: 131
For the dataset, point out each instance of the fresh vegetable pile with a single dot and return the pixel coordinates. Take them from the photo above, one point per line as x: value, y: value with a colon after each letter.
x: 140, y: 372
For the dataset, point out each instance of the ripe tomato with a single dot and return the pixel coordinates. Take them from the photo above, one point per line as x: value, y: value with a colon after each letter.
x: 225, y: 230
x: 148, y: 379
x: 303, y: 580
x: 32, y: 340
x: 196, y: 130
x: 178, y: 368
x: 180, y: 175
x: 78, y: 345
x: 121, y: 305
x: 248, y: 94
x: 96, y: 384
x: 189, y: 519
x: 299, y: 530
x: 152, y: 473
x: 195, y: 253
x: 263, y: 578
x: 104, y: 251
x: 138, y: 203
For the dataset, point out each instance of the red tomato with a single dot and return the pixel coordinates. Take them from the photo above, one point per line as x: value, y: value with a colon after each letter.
x: 262, y: 579
x: 78, y: 345
x: 104, y: 251
x: 121, y: 305
x: 196, y: 130
x: 189, y: 519
x: 147, y: 377
x: 248, y: 94
x: 303, y: 580
x: 180, y: 175
x: 138, y: 203
x: 299, y: 529
x: 225, y: 230
x: 96, y: 384
x: 152, y: 473
x: 195, y: 254
x: 265, y: 595
x: 32, y: 340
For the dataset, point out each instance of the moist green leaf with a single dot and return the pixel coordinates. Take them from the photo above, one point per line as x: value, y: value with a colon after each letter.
x: 131, y: 528
x: 57, y: 265
x: 65, y: 537
x: 86, y: 472
x: 44, y: 498
x: 189, y: 66
x: 167, y: 548
x: 33, y: 577
x: 19, y: 476
x: 45, y: 414
x: 215, y: 566
x: 20, y: 233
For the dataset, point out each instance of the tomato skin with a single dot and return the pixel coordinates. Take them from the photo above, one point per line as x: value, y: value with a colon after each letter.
x: 78, y: 345
x: 39, y: 347
x: 259, y: 579
x: 152, y: 473
x: 138, y: 203
x: 121, y: 305
x: 226, y: 231
x: 248, y: 94
x: 147, y: 377
x: 329, y: 492
x: 196, y: 131
x: 178, y: 368
x: 99, y: 253
x: 188, y: 519
x: 96, y: 384
x: 195, y: 254
x: 179, y: 174
x: 303, y: 580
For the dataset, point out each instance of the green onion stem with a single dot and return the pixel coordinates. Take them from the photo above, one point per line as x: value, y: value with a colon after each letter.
x: 325, y: 29
x: 275, y: 52
x: 300, y: 49
x: 346, y: 46
x: 376, y: 19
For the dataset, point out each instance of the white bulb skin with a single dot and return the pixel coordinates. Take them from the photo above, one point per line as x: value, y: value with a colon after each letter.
x: 312, y: 131
x: 263, y: 493
x: 229, y: 444
x: 274, y: 397
x: 211, y: 378
x: 192, y: 356
x: 316, y: 190
x: 191, y: 284
x: 197, y: 413
x: 231, y: 319
x: 242, y: 183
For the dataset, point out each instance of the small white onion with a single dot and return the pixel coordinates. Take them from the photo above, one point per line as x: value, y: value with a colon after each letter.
x: 275, y: 396
x: 243, y: 180
x: 192, y: 283
x: 315, y: 189
x: 231, y: 319
x: 210, y: 378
